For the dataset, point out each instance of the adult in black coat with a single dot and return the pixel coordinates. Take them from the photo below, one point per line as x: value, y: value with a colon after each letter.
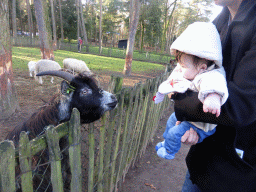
x: 214, y: 165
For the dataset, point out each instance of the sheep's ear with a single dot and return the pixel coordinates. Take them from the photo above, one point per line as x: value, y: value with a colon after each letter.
x: 66, y: 89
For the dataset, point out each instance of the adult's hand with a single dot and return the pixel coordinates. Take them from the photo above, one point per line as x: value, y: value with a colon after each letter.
x: 190, y: 137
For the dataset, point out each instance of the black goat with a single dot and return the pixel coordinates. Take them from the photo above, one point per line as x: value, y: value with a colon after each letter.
x: 81, y: 92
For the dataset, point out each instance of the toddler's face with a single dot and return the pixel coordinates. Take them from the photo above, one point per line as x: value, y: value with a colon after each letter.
x: 187, y: 68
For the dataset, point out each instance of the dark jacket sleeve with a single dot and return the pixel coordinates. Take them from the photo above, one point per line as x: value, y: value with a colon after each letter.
x: 188, y: 108
x: 240, y: 108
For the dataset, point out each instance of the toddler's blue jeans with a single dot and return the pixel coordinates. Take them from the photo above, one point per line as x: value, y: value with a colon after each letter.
x: 173, y: 134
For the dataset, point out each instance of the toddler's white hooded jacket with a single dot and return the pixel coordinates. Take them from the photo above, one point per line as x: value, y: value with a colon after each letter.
x: 200, y: 39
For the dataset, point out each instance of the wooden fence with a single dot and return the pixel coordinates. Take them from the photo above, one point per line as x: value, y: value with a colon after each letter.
x: 110, y: 147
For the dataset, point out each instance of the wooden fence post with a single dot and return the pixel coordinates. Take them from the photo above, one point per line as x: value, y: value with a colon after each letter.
x: 153, y: 83
x: 55, y: 158
x: 25, y: 163
x: 101, y: 153
x: 144, y: 105
x: 132, y: 127
x: 145, y: 127
x: 91, y: 158
x: 75, y: 151
x: 126, y: 133
x: 115, y: 86
x: 118, y: 130
x: 137, y: 125
x: 7, y: 166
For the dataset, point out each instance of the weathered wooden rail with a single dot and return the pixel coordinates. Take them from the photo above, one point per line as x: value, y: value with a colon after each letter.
x: 114, y: 145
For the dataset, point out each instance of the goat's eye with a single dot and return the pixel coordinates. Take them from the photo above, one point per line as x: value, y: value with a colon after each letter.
x: 84, y: 92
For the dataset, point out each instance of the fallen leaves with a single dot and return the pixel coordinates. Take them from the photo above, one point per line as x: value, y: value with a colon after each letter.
x: 151, y: 186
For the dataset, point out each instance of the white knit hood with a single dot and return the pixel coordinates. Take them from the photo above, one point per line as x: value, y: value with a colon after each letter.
x: 201, y: 39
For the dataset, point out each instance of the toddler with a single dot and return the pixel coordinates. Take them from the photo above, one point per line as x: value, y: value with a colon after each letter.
x: 199, y: 55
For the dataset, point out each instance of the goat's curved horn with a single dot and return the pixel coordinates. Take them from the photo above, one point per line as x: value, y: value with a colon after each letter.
x: 63, y: 74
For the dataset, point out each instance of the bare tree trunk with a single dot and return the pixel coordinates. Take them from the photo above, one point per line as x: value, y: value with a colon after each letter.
x: 92, y: 36
x: 8, y: 98
x: 21, y: 25
x: 14, y: 24
x: 163, y: 39
x: 170, y: 35
x: 30, y: 21
x: 100, y: 29
x: 172, y: 30
x: 142, y: 35
x: 78, y: 19
x: 83, y: 25
x: 61, y: 22
x: 44, y: 29
x: 167, y: 22
x: 134, y: 19
x: 53, y: 26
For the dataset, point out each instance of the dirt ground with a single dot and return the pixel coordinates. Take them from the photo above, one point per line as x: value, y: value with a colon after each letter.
x: 150, y: 173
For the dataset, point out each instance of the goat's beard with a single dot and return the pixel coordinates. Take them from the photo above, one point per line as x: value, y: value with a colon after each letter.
x: 91, y: 116
x: 64, y: 107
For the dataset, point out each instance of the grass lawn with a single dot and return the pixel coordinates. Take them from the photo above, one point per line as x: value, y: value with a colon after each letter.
x: 22, y: 55
x: 120, y: 53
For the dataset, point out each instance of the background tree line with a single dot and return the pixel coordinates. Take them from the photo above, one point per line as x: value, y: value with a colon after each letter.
x: 147, y: 24
x: 160, y: 21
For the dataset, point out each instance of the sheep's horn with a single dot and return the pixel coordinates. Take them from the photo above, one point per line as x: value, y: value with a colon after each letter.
x: 63, y: 74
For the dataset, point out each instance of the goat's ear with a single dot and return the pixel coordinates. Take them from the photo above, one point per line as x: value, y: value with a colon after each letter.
x: 66, y: 89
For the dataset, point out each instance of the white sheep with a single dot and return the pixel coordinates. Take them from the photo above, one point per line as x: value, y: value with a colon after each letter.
x: 45, y: 65
x: 31, y: 68
x: 75, y: 65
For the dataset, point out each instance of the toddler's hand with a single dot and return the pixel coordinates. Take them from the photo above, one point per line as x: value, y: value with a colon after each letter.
x: 212, y: 104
